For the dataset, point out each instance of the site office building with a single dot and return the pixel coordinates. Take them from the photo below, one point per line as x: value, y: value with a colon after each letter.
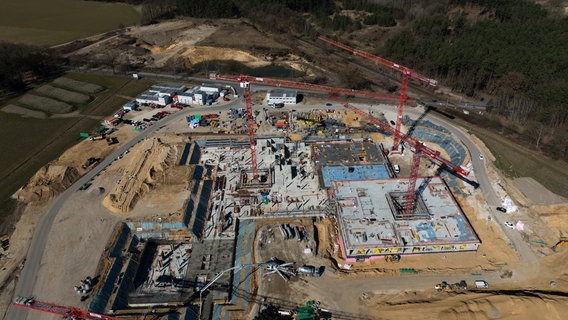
x: 284, y: 96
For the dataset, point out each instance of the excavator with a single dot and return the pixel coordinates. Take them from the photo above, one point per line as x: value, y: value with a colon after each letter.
x: 451, y: 287
x: 561, y: 242
x: 392, y: 258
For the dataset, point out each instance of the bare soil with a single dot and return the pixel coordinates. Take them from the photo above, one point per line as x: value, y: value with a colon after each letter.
x: 182, y: 44
x: 83, y: 227
x: 24, y: 112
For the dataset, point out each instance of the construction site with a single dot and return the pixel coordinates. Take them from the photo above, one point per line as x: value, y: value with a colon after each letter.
x: 239, y: 195
x: 249, y: 201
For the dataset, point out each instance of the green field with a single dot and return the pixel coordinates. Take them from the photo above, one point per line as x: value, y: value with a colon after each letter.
x: 516, y: 161
x: 28, y: 143
x: 50, y: 22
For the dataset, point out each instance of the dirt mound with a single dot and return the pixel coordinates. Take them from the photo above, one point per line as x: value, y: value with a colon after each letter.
x: 556, y: 217
x: 508, y: 307
x: 196, y: 55
x: 494, y: 305
x: 49, y: 181
x: 146, y: 164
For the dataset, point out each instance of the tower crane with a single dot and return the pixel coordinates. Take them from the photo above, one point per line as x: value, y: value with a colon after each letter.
x: 301, y: 85
x: 245, y: 82
x: 70, y: 313
x: 406, y: 73
x: 419, y: 149
x: 250, y: 127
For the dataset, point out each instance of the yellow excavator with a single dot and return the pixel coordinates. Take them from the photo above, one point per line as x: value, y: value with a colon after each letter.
x: 561, y: 242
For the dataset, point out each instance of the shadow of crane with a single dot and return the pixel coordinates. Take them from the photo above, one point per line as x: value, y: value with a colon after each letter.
x: 417, y: 121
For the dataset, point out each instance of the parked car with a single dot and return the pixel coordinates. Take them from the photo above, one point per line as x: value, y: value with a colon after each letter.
x: 509, y: 224
x: 481, y: 157
x: 501, y: 209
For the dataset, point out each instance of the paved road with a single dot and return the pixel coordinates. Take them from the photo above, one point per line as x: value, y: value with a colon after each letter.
x: 525, y: 253
x: 35, y: 254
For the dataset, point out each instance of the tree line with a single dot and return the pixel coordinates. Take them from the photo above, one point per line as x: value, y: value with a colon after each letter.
x: 274, y: 15
x: 513, y: 51
x: 22, y: 64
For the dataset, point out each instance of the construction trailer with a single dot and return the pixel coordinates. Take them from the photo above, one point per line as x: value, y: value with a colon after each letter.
x: 153, y: 98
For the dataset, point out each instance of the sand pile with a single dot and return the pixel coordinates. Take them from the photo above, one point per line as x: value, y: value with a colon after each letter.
x: 146, y: 164
x: 494, y: 305
x: 196, y: 55
x: 49, y: 181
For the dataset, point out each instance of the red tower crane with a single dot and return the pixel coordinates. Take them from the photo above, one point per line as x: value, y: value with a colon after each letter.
x: 250, y: 126
x: 66, y: 312
x: 406, y: 73
x: 245, y: 82
x: 419, y: 149
x: 302, y: 86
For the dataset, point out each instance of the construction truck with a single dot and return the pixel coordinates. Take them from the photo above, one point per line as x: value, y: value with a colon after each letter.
x: 90, y: 161
x: 451, y: 287
x: 97, y: 136
x: 307, y: 270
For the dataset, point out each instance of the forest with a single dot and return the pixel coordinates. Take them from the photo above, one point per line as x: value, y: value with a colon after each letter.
x: 512, y: 53
x: 515, y: 53
x: 21, y: 65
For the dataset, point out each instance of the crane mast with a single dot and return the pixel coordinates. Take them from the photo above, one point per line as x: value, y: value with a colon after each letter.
x: 419, y: 149
x: 427, y: 151
x: 250, y: 126
x: 245, y: 82
x: 410, y: 196
x: 406, y: 73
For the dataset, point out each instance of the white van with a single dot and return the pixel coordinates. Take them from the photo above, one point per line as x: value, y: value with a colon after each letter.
x: 481, y: 284
x: 396, y: 169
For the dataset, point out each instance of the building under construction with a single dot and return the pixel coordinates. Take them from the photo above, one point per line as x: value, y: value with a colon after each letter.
x: 372, y: 221
x: 368, y: 203
x: 165, y: 262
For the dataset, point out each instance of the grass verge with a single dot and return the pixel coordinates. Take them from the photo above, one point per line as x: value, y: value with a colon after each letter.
x: 517, y: 161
